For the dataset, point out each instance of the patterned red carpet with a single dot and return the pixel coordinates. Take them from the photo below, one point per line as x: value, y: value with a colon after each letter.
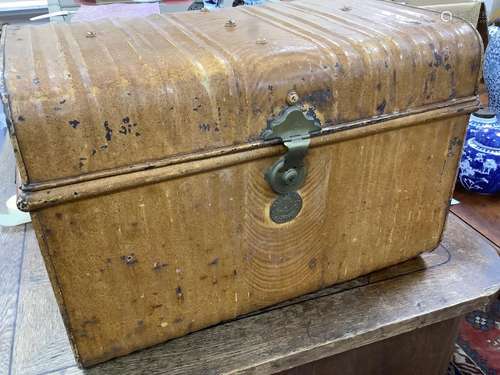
x: 477, y: 350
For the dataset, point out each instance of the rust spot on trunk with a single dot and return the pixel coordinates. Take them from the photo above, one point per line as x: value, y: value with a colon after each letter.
x: 381, y: 107
x: 129, y: 259
x: 109, y: 131
x: 319, y: 98
x: 74, y: 123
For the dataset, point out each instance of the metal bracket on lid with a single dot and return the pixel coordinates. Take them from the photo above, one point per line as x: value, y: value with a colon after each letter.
x: 294, y: 128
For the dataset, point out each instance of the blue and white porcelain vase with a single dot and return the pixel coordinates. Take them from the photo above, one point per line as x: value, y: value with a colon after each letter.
x: 480, y: 164
x: 491, y: 68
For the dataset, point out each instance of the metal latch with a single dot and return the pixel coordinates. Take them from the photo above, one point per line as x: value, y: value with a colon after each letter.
x: 294, y: 128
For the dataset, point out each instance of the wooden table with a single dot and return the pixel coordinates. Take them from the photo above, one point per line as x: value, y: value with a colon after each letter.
x: 482, y: 212
x: 402, y: 320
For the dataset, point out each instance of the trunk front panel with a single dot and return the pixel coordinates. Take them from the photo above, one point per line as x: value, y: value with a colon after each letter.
x: 143, y: 265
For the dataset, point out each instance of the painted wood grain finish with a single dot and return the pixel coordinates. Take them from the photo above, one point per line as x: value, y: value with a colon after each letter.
x: 142, y: 90
x: 459, y: 276
x: 139, y: 258
x: 184, y: 254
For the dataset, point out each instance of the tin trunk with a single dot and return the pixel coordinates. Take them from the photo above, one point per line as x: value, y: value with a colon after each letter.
x: 183, y: 170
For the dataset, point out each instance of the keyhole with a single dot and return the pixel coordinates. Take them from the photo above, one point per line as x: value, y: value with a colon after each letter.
x: 290, y: 176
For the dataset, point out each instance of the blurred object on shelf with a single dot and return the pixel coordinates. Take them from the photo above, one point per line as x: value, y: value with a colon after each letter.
x: 54, y: 14
x: 212, y: 4
x: 165, y: 6
x: 88, y: 13
x: 248, y: 2
x: 19, y: 12
x: 22, y: 5
x: 197, y: 5
x: 13, y: 216
x: 493, y: 9
x: 106, y: 2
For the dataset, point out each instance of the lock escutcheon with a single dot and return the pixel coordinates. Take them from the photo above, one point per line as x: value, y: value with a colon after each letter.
x: 290, y: 176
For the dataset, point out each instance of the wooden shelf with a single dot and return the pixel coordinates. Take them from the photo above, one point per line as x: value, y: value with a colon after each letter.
x: 482, y: 212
